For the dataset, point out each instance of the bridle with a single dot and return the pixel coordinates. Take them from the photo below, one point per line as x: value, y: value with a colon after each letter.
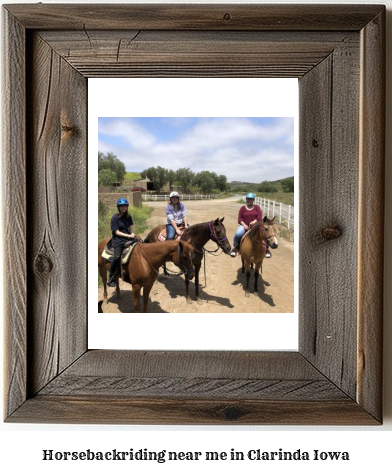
x: 214, y: 237
x: 265, y: 237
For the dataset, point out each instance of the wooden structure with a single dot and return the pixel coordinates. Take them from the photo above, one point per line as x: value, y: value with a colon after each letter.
x: 337, y: 53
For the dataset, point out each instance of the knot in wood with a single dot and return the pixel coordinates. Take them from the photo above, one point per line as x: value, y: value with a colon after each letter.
x: 43, y: 264
x: 329, y: 232
x: 227, y: 16
x: 69, y: 128
x: 315, y: 143
x: 232, y: 413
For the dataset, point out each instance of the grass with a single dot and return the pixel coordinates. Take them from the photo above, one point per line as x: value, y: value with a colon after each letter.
x: 130, y: 177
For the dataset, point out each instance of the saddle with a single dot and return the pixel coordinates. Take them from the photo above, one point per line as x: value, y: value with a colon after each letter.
x: 108, y: 252
x: 162, y: 234
x: 242, y: 239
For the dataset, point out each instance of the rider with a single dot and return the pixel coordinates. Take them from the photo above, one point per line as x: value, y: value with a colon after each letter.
x: 176, y: 216
x: 247, y: 216
x: 122, y: 231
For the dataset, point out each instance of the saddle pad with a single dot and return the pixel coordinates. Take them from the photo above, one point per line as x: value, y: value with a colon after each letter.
x: 125, y: 256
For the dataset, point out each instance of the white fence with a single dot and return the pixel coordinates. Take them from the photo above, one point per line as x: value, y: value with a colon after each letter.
x: 284, y: 212
x: 183, y: 197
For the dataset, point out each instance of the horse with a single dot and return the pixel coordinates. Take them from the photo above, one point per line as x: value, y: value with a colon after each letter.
x: 197, y: 235
x: 254, y: 246
x: 100, y: 306
x: 142, y: 268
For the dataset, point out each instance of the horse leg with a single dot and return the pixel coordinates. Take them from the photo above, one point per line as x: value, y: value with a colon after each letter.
x: 136, y: 297
x: 165, y: 272
x: 104, y: 276
x: 197, y: 271
x: 243, y: 265
x: 146, y: 294
x: 188, y: 298
x: 256, y: 291
x: 247, y: 269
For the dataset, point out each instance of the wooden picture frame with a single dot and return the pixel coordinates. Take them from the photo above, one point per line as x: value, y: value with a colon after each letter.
x: 338, y: 54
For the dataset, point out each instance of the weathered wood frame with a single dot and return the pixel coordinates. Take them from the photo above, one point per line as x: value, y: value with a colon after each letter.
x: 337, y: 52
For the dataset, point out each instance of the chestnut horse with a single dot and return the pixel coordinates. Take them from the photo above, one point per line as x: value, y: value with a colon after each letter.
x: 254, y: 246
x: 197, y: 235
x: 143, y: 266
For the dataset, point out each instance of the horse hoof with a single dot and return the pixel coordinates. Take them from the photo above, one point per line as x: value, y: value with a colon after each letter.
x: 199, y: 302
x: 256, y: 292
x: 247, y: 294
x: 189, y: 301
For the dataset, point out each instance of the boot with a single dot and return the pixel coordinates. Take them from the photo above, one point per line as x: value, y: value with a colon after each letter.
x: 234, y: 251
x: 112, y: 280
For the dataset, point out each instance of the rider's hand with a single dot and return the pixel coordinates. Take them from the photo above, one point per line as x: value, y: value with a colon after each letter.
x: 132, y: 236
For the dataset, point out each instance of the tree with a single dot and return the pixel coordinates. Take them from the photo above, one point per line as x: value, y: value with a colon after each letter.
x: 205, y: 180
x: 106, y: 177
x: 184, y: 176
x: 111, y: 162
x: 221, y: 182
x: 267, y: 187
x: 288, y: 185
x: 171, y: 176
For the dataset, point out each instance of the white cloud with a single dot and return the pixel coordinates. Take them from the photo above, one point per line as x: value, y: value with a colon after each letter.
x: 240, y: 148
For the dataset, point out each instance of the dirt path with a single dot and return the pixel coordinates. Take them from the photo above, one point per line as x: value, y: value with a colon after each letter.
x: 223, y: 291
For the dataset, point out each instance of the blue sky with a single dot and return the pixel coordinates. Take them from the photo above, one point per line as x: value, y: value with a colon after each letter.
x: 243, y: 149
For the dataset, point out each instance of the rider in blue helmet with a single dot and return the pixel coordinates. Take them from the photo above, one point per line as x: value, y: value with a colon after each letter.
x: 247, y: 216
x: 122, y: 231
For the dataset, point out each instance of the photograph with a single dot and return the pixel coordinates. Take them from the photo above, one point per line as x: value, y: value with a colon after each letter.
x: 224, y: 186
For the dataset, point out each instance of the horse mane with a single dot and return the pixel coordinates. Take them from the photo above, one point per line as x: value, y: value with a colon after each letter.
x: 194, y: 230
x: 254, y: 230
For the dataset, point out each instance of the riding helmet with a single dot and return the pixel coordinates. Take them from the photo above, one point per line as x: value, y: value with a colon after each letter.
x: 250, y: 196
x: 122, y: 202
x: 174, y: 194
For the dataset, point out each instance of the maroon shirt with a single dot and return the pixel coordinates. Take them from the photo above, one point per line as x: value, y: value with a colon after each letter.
x: 247, y: 216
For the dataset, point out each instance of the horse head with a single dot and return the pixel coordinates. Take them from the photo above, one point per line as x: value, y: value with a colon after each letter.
x: 218, y: 235
x: 268, y: 230
x: 184, y: 255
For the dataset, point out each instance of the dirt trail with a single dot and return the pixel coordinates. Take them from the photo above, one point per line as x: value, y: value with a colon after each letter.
x: 223, y: 289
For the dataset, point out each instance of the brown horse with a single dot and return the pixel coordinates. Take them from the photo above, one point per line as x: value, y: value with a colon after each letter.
x: 143, y: 267
x: 198, y: 235
x: 254, y: 246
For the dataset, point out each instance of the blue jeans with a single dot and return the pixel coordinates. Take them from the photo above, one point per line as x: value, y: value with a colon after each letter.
x: 171, y: 232
x: 238, y: 235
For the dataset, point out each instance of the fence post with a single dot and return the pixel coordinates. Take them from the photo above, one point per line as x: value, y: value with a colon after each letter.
x: 280, y: 213
x: 288, y: 218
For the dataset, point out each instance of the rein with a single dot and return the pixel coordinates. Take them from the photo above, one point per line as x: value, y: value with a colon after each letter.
x: 146, y: 259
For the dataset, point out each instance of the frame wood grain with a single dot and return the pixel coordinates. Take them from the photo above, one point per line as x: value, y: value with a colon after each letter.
x: 337, y: 53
